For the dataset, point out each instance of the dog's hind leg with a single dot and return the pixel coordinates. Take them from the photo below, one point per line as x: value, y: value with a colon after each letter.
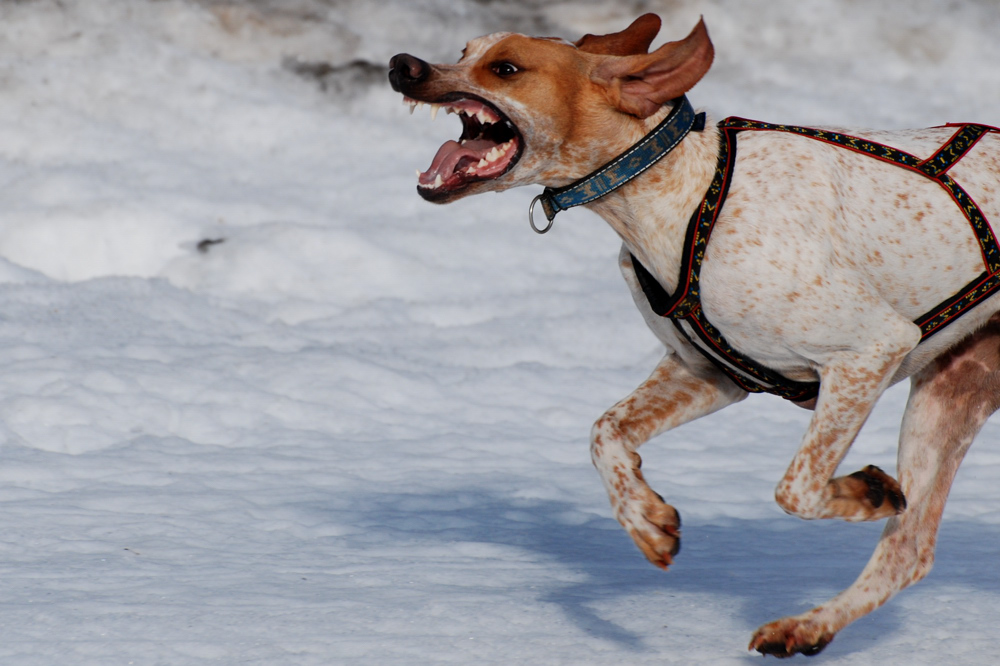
x: 949, y: 402
x: 672, y: 396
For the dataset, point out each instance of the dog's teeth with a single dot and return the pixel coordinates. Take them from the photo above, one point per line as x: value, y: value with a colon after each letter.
x: 482, y: 163
x: 486, y: 117
x: 434, y: 111
x: 438, y: 182
x: 418, y: 173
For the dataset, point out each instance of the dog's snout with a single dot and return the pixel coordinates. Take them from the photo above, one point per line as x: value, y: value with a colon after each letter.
x: 406, y: 70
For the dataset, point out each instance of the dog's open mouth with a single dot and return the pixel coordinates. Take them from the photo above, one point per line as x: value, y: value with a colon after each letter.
x: 489, y: 146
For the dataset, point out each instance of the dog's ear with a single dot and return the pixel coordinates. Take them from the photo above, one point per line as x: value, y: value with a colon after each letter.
x: 632, y: 40
x: 640, y: 84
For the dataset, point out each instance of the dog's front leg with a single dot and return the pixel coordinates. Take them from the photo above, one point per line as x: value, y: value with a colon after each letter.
x: 672, y: 396
x: 850, y: 384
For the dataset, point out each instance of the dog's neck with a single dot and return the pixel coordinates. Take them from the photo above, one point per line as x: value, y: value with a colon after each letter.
x: 654, y: 145
x: 651, y: 213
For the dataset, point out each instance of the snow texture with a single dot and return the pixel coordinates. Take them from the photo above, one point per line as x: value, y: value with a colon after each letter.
x: 261, y: 404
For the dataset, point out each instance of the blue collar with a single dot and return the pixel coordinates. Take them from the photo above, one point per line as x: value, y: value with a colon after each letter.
x: 651, y: 149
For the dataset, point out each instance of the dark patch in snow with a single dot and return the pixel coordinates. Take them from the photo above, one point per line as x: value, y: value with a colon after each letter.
x: 338, y: 78
x: 205, y: 245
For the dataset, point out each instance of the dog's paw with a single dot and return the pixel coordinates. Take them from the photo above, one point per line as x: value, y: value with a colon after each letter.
x: 869, y: 494
x: 655, y: 526
x: 790, y: 636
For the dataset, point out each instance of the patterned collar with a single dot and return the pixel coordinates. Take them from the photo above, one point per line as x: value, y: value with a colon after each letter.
x: 651, y: 149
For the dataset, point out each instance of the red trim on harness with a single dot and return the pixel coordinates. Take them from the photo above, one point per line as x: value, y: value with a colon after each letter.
x: 955, y: 159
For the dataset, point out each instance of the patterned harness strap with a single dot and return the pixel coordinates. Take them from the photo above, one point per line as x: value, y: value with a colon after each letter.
x: 685, y: 304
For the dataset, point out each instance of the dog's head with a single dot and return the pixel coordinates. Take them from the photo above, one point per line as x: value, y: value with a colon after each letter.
x: 545, y: 110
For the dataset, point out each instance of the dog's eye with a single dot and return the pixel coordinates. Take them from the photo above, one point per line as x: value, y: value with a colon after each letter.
x: 504, y: 69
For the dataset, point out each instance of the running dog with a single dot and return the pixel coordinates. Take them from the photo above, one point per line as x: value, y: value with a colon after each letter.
x: 839, y: 264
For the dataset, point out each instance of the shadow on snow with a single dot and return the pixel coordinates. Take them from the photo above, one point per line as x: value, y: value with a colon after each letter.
x: 771, y: 568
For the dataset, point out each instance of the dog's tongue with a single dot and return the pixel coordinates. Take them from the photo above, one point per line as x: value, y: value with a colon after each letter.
x: 450, y: 154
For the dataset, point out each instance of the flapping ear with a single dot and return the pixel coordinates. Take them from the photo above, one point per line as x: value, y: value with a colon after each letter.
x: 632, y: 40
x: 640, y: 84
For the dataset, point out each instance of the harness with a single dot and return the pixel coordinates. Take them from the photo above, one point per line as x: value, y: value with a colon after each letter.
x: 684, y: 306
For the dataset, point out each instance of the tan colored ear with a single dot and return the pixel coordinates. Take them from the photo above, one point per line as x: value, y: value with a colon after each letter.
x: 632, y: 40
x: 640, y: 84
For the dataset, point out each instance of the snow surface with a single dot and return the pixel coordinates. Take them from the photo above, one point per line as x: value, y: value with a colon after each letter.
x: 355, y: 430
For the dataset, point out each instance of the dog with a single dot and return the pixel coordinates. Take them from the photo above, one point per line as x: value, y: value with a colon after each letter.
x: 839, y: 264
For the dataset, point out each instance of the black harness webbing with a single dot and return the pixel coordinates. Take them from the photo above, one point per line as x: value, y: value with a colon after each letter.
x: 685, y: 304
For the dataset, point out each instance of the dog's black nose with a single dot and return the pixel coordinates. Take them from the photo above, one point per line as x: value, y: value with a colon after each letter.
x: 406, y: 70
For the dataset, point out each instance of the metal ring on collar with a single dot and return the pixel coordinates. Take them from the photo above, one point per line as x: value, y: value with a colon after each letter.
x: 531, y: 217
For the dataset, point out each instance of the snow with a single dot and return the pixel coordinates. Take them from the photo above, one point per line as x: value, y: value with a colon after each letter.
x: 355, y: 430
